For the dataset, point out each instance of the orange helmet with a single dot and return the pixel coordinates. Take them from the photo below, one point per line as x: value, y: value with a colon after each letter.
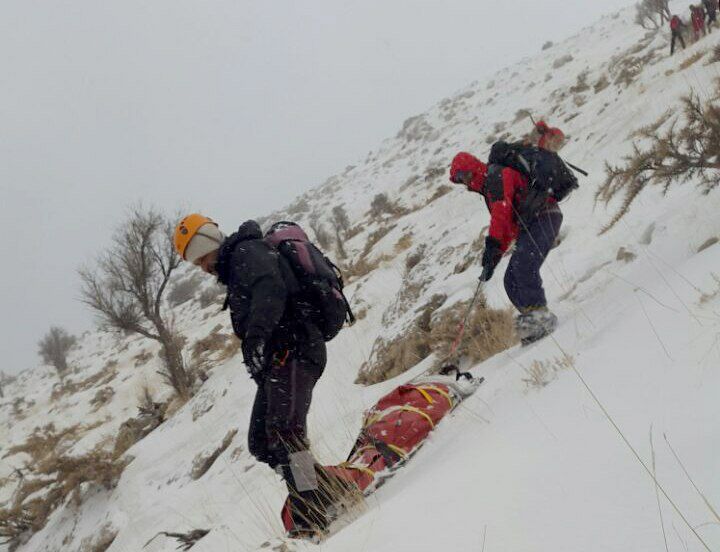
x: 186, y: 230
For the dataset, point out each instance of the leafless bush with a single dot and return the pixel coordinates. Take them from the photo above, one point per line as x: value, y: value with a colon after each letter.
x: 581, y: 85
x: 689, y: 149
x: 204, y: 461
x: 652, y: 14
x: 50, y: 478
x: 102, y: 397
x: 212, y: 294
x: 563, y: 60
x: 299, y: 207
x: 549, y: 44
x: 184, y: 290
x: 440, y: 192
x: 692, y: 60
x: 602, y: 83
x: 341, y: 225
x: 54, y: 347
x: 382, y: 205
x: 414, y: 258
x: 321, y: 235
x: 127, y: 287
x: 101, y: 541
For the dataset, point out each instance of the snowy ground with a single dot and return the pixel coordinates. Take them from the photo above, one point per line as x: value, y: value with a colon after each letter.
x: 518, y: 467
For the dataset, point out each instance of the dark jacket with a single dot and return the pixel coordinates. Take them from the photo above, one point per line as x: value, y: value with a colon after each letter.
x: 260, y: 285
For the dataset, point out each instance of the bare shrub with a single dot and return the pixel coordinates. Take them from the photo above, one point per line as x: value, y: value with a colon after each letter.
x: 101, y: 541
x: 127, y: 287
x: 299, y: 207
x: 381, y: 205
x: 213, y: 294
x: 688, y: 150
x: 692, y: 60
x: 708, y: 243
x: 341, y: 225
x: 102, y: 397
x: 601, y: 84
x: 321, y: 235
x: 54, y: 347
x: 652, y: 14
x: 415, y: 257
x: 51, y: 478
x: 204, y: 461
x: 433, y: 173
x: 561, y: 61
x: 581, y: 85
x: 441, y: 191
x: 549, y: 44
x: 715, y: 54
x: 405, y: 242
x: 184, y: 290
x: 625, y: 255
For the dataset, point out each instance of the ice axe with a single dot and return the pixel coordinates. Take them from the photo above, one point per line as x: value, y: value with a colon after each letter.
x: 453, y: 367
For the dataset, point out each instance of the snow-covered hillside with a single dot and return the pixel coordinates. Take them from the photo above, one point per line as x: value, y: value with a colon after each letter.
x: 531, y: 462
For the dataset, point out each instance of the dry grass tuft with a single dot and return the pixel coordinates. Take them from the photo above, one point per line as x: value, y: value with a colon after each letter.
x: 51, y: 478
x: 541, y: 373
x: 203, y: 461
x: 488, y: 332
x: 692, y: 60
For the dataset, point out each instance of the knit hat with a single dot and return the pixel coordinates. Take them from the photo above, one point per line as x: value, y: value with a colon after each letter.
x: 206, y: 240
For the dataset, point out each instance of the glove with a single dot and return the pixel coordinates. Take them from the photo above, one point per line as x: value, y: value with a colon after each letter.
x: 253, y: 350
x: 490, y: 259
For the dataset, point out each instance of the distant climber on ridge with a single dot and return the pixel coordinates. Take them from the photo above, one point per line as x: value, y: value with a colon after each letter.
x: 677, y: 27
x: 711, y: 8
x: 283, y: 322
x: 527, y: 215
x: 697, y: 15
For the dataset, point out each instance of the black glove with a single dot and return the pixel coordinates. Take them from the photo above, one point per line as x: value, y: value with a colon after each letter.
x: 254, y: 355
x: 490, y: 259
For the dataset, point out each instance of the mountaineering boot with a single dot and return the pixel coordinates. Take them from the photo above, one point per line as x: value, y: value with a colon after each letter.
x: 535, y: 324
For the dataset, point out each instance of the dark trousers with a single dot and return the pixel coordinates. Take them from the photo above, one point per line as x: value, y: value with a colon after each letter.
x: 676, y: 35
x: 278, y: 423
x: 523, y: 283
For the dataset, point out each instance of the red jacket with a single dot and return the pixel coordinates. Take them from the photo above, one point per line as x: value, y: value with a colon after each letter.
x: 501, y: 203
x: 675, y: 23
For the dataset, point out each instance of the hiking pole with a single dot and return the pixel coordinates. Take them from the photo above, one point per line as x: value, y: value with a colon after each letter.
x: 451, y: 366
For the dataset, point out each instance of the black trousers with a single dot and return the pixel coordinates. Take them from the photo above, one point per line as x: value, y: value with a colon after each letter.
x: 676, y: 35
x: 278, y: 424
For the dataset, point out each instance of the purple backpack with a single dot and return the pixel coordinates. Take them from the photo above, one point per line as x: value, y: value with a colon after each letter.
x: 321, y: 298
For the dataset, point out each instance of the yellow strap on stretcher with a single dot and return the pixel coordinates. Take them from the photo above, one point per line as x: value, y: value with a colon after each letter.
x: 424, y: 388
x: 406, y: 408
x: 397, y: 450
x: 366, y: 471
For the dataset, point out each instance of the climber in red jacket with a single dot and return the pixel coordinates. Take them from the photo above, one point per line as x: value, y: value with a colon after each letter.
x: 534, y: 229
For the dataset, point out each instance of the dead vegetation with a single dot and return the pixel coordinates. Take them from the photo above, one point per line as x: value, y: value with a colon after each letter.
x: 692, y: 60
x: 204, y: 461
x: 561, y: 61
x: 51, y: 477
x: 488, y: 332
x: 102, y: 397
x: 542, y: 372
x: 688, y: 149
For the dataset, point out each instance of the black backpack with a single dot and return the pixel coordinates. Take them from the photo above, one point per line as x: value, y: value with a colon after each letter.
x: 547, y: 173
x: 321, y: 298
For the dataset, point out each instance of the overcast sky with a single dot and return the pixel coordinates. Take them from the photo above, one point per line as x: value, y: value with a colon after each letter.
x: 230, y: 108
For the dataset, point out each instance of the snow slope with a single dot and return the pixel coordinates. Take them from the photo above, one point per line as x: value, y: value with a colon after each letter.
x: 518, y: 467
